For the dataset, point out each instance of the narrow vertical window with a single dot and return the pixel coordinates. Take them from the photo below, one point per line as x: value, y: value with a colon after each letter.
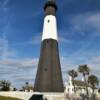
x: 48, y: 21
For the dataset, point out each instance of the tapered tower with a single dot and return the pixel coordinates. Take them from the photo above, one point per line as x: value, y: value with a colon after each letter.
x: 49, y: 77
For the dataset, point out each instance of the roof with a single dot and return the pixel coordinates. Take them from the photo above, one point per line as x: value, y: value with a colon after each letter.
x: 80, y: 83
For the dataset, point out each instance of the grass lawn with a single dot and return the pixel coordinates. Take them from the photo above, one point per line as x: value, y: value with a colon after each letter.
x: 8, y: 98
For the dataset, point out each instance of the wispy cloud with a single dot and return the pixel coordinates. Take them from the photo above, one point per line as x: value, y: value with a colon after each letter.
x: 18, y: 71
x: 33, y: 41
x: 4, y: 3
x: 38, y: 38
x: 94, y: 62
x: 66, y: 65
x: 64, y: 40
x: 5, y: 52
x: 20, y: 62
x: 84, y: 23
x: 69, y: 63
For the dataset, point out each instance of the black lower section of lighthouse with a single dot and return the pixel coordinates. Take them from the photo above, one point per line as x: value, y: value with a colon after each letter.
x: 49, y: 78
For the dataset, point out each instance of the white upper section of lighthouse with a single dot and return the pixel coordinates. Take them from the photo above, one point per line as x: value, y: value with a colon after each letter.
x: 50, y: 28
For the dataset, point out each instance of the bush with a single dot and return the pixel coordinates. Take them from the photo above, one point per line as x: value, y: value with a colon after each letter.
x: 5, y: 85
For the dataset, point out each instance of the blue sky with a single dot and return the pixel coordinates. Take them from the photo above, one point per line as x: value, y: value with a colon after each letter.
x: 21, y: 23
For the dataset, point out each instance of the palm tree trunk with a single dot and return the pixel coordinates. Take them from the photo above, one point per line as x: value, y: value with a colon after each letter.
x: 73, y: 84
x: 93, y: 91
x: 86, y: 84
x: 93, y: 95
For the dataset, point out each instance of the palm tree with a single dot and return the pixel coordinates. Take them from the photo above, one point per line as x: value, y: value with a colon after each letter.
x: 93, y: 81
x: 85, y: 71
x: 73, y: 74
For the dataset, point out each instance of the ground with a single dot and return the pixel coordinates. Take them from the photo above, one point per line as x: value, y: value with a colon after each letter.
x: 8, y: 98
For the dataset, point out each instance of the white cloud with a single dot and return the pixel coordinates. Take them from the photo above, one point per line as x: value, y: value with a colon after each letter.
x: 66, y: 65
x: 94, y: 63
x: 18, y: 71
x: 29, y: 62
x: 64, y: 40
x: 20, y: 62
x: 5, y: 3
x: 36, y: 39
x: 5, y: 52
x: 86, y: 22
x: 95, y: 59
x: 94, y: 20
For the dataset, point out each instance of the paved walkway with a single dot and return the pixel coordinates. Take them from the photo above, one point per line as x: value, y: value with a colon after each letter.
x: 28, y: 95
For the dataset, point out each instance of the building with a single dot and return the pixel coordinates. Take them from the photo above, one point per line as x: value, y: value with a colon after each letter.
x: 78, y: 87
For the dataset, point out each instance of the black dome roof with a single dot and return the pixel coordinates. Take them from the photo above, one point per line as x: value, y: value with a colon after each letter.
x: 50, y: 3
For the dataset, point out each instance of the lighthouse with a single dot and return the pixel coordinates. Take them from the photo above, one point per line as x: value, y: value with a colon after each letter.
x: 49, y: 76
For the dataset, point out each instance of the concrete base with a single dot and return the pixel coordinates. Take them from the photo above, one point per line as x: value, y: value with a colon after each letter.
x: 28, y: 95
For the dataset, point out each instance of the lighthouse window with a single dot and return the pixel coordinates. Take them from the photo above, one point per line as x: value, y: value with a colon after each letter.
x: 47, y: 41
x: 45, y: 69
x: 48, y: 21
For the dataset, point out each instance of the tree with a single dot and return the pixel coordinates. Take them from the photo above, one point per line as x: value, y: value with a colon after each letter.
x: 5, y: 85
x: 93, y: 81
x: 73, y: 74
x: 85, y: 71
